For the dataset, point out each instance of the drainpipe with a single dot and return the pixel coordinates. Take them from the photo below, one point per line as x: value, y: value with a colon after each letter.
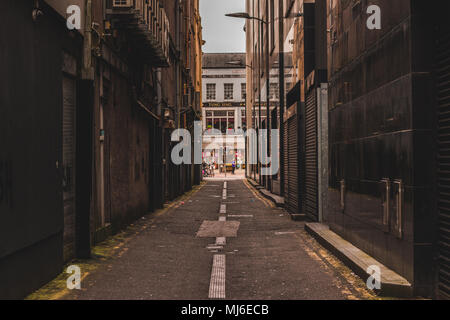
x: 88, y: 70
x: 282, y: 96
x: 178, y: 65
x: 84, y: 149
x: 159, y: 93
x: 267, y: 54
x: 162, y: 160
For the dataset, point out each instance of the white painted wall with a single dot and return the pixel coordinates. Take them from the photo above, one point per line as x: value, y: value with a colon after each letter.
x: 236, y: 141
x: 237, y: 97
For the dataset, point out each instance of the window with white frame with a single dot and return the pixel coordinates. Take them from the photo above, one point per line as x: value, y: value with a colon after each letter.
x: 228, y: 91
x: 222, y: 120
x: 243, y: 91
x: 210, y: 91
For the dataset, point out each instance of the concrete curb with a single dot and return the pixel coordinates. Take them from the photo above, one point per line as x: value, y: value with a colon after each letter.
x: 298, y: 216
x: 392, y: 284
x: 277, y: 200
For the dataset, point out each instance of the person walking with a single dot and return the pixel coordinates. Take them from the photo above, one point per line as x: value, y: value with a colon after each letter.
x: 233, y: 166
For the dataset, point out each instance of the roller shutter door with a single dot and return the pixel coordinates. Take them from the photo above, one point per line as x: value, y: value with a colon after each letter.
x: 68, y: 167
x: 311, y: 182
x: 285, y: 164
x: 443, y: 163
x: 293, y: 161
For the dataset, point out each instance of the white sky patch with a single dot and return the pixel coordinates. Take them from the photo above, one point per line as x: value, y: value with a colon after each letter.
x: 222, y: 34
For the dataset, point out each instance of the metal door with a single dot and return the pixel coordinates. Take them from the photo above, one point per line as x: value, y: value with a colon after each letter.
x: 68, y: 167
x: 311, y: 156
x: 285, y: 164
x: 293, y: 165
x: 443, y: 165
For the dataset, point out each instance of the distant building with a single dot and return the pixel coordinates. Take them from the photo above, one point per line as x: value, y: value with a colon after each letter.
x: 224, y: 101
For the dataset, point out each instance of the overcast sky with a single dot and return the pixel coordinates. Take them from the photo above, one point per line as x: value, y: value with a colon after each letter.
x: 222, y: 34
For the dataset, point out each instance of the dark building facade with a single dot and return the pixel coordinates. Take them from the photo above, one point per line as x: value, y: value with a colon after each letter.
x: 388, y: 167
x: 86, y: 119
x: 37, y: 59
x: 286, y: 51
x: 364, y: 120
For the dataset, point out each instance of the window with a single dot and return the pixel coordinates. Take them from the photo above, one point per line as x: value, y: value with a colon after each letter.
x: 243, y: 91
x: 209, y: 123
x: 244, y: 120
x: 220, y: 113
x: 122, y: 3
x: 230, y: 124
x: 223, y: 125
x: 228, y: 91
x: 210, y: 91
x: 217, y: 123
x: 221, y: 120
x: 274, y: 91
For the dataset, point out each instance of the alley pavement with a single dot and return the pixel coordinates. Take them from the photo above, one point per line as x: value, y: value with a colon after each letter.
x: 233, y: 243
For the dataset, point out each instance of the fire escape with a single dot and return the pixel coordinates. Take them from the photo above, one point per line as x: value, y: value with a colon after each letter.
x: 147, y: 23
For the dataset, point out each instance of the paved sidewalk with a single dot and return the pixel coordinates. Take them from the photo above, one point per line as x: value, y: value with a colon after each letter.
x: 271, y: 258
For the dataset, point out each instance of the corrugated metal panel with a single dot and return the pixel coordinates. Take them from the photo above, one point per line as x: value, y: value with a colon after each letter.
x: 443, y: 174
x: 311, y: 156
x: 285, y: 160
x: 68, y: 127
x: 293, y: 160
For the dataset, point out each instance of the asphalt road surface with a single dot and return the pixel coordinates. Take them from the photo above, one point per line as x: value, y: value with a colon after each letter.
x: 222, y: 242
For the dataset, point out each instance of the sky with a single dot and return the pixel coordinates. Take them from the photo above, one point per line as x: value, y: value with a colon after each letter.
x: 222, y: 34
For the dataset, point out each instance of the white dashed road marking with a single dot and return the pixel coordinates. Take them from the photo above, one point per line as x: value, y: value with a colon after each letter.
x: 217, y: 283
x: 240, y: 216
x: 221, y: 241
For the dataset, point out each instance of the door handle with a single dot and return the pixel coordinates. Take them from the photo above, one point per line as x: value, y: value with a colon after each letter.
x: 342, y: 191
x: 399, y: 207
x: 386, y: 203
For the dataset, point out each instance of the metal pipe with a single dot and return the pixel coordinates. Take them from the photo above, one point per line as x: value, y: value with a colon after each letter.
x: 88, y: 70
x: 282, y: 94
x: 267, y: 54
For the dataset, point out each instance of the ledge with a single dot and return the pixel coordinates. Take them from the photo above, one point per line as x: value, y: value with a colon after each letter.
x: 392, y: 284
x: 279, y: 201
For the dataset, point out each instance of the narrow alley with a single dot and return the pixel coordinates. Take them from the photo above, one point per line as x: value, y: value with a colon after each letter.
x: 265, y: 254
x: 216, y: 150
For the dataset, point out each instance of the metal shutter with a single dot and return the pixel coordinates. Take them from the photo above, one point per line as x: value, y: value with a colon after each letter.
x: 293, y: 159
x: 285, y: 164
x: 68, y: 167
x: 311, y: 156
x: 443, y: 170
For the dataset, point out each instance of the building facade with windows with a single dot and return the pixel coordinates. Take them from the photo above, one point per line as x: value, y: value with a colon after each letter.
x: 101, y: 109
x: 224, y: 100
